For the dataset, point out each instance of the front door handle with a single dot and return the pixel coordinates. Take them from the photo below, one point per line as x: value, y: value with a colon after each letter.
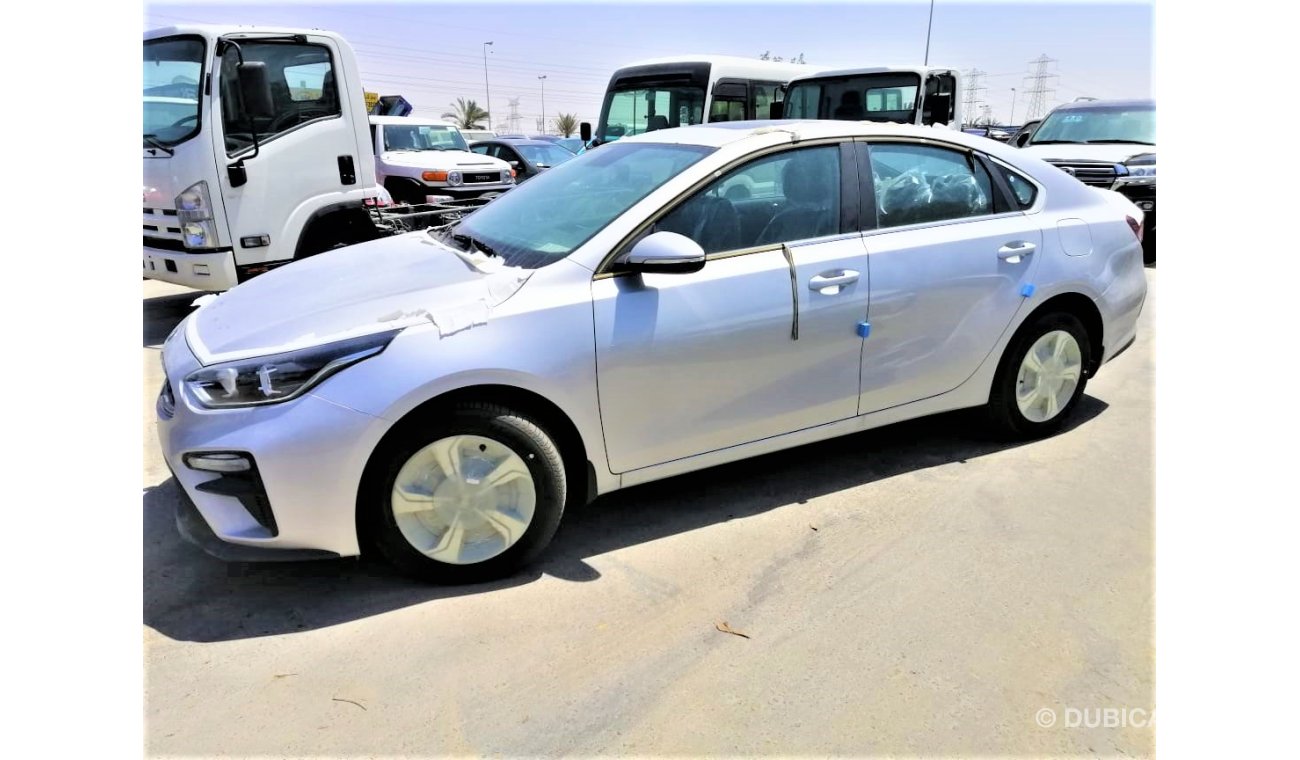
x: 1011, y: 252
x: 833, y: 279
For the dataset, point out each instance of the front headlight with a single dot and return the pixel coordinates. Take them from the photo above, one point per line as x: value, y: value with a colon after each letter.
x: 194, y: 210
x: 280, y: 377
x: 1141, y: 165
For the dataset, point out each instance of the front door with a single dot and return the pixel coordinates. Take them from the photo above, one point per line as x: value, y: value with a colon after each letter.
x: 692, y: 363
x: 306, y: 148
x: 949, y: 263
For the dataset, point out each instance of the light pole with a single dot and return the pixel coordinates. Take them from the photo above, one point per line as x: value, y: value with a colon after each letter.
x: 928, y: 27
x: 542, y: 79
x: 1012, y: 120
x: 486, y: 86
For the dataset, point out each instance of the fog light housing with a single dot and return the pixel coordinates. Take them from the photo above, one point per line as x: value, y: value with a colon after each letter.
x: 218, y: 462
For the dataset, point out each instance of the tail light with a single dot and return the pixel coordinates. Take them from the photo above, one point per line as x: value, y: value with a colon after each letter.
x: 1136, y: 226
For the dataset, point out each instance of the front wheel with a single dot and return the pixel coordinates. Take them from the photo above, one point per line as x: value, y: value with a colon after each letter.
x: 1040, y: 378
x: 466, y: 495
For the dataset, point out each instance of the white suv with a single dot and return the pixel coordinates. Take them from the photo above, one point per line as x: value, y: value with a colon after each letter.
x: 416, y: 158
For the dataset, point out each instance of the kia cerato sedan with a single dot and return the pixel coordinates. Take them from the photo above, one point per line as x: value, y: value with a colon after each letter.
x: 666, y: 303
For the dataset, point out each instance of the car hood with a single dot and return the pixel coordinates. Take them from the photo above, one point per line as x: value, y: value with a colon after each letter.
x: 1113, y: 152
x: 357, y: 290
x: 443, y: 159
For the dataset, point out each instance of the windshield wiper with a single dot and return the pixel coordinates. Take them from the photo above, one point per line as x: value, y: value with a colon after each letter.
x: 1054, y: 142
x: 154, y: 142
x: 469, y: 242
x: 1115, y: 140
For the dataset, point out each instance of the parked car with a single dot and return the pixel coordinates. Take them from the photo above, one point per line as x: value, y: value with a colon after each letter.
x: 416, y: 158
x: 527, y: 157
x: 1105, y: 143
x: 433, y: 396
x: 571, y: 144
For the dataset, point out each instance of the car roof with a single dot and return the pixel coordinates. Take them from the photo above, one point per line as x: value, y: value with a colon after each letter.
x: 517, y: 141
x: 718, y: 134
x: 1083, y: 105
x: 419, y: 121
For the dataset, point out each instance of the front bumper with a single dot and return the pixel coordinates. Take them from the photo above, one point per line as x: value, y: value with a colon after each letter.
x: 467, y: 191
x: 213, y: 271
x: 310, y: 454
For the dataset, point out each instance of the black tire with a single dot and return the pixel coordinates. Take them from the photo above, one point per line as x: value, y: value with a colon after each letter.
x: 1002, y: 412
x: 511, y: 428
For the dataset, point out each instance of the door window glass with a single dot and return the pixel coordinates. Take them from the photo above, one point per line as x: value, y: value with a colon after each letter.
x: 921, y: 183
x: 302, y: 84
x: 788, y: 196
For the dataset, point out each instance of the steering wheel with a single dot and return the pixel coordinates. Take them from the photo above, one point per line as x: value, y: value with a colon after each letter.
x: 192, y: 117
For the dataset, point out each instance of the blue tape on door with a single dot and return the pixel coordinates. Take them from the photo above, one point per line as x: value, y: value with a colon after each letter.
x: 864, y: 329
x: 1026, y: 290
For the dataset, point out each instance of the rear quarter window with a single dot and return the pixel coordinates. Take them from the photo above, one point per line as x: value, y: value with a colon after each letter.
x: 1023, y: 191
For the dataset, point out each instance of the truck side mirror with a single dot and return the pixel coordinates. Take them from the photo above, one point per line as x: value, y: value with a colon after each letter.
x: 775, y: 110
x: 1021, y: 139
x: 584, y: 131
x: 255, y: 89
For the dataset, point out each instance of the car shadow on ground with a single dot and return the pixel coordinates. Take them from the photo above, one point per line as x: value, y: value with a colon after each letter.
x: 163, y: 313
x: 191, y: 596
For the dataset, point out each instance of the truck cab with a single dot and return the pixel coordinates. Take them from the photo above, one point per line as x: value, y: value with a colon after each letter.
x: 923, y: 95
x: 416, y: 158
x: 256, y: 150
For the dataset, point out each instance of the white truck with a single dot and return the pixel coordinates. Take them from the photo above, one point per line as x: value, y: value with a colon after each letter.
x: 416, y: 158
x: 924, y: 95
x: 257, y: 152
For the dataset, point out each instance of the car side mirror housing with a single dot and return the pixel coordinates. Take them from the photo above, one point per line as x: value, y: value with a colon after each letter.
x: 663, y: 253
x: 255, y: 89
x: 1021, y: 139
x: 584, y: 131
x: 514, y: 164
x: 775, y: 109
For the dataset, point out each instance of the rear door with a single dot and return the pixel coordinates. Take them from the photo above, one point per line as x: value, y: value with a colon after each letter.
x: 951, y: 256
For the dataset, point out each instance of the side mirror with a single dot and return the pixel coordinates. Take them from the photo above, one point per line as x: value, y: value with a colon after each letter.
x: 514, y: 164
x: 584, y: 131
x: 1021, y: 139
x: 776, y: 109
x: 665, y: 253
x: 255, y: 89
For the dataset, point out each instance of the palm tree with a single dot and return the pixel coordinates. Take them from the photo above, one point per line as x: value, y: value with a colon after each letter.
x: 466, y: 114
x: 566, y: 123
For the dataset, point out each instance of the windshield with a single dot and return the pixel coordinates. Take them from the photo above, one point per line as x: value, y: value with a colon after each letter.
x: 544, y: 155
x: 422, y: 137
x: 173, y: 68
x: 636, y: 110
x: 873, y: 97
x: 1130, y: 124
x: 547, y: 218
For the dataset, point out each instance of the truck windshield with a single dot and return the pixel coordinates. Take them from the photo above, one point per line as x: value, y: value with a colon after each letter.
x: 870, y: 97
x: 1102, y: 124
x: 632, y: 111
x: 548, y: 217
x: 173, y: 68
x: 422, y: 137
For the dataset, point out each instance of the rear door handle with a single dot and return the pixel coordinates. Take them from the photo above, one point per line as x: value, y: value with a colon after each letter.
x: 1011, y: 252
x: 833, y: 279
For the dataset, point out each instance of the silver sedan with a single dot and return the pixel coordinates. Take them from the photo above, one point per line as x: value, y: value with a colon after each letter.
x: 662, y: 304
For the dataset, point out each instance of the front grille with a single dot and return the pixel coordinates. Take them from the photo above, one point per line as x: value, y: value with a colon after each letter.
x: 161, y: 223
x: 164, y: 243
x: 1095, y: 173
x: 481, y: 177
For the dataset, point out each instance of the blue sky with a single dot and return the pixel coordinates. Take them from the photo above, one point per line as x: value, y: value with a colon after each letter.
x: 432, y: 53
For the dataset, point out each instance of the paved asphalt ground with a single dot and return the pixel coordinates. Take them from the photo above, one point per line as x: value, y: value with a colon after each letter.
x: 910, y: 590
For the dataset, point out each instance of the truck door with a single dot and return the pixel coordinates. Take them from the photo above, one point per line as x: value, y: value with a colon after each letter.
x: 307, y: 155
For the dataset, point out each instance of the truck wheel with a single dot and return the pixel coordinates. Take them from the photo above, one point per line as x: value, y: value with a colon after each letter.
x: 465, y: 495
x: 1040, y: 378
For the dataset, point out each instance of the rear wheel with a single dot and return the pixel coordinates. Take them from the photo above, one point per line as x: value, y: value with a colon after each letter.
x: 466, y: 495
x: 1041, y: 377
